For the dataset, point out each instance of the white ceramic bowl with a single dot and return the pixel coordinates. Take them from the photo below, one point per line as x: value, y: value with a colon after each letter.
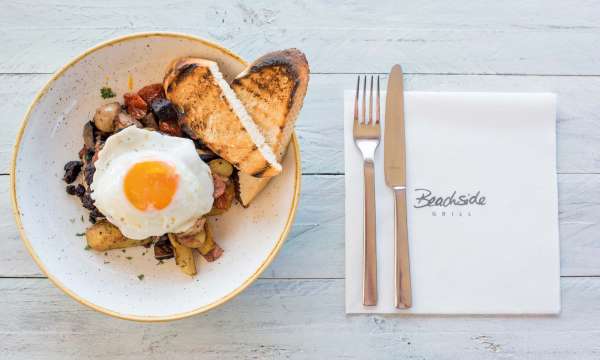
x: 49, y: 219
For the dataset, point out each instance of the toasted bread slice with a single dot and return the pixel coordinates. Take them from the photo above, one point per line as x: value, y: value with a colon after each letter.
x: 214, y: 115
x: 272, y: 90
x: 248, y: 187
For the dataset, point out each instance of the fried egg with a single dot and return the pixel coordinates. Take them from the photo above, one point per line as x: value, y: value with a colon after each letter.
x: 148, y: 184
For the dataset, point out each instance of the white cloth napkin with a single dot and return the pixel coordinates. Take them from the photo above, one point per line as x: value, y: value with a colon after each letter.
x: 499, y: 254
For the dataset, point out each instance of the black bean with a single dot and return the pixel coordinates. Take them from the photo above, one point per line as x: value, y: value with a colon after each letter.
x: 80, y: 190
x: 163, y: 109
x: 95, y: 214
x: 72, y: 170
x: 88, y: 173
x: 87, y: 202
x: 71, y: 189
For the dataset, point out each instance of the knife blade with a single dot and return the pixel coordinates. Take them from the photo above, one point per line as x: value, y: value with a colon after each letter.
x: 394, y: 158
x: 394, y: 150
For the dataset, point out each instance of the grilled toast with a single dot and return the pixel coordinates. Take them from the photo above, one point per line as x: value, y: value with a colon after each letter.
x: 272, y: 90
x: 213, y: 114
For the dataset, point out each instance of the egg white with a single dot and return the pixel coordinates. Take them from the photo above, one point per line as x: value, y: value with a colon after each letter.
x: 192, y: 199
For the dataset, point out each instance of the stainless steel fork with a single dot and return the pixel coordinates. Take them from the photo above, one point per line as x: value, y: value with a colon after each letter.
x: 366, y: 137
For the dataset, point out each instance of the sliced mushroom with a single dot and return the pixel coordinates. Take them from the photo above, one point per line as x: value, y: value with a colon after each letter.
x: 88, y: 135
x: 124, y: 120
x: 163, y: 249
x: 105, y: 116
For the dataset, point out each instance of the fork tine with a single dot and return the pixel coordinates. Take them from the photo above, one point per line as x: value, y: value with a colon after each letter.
x: 356, y: 102
x: 364, y: 98
x: 371, y: 122
x: 377, y: 103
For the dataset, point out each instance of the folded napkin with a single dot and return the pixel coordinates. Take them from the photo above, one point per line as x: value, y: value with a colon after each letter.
x: 482, y: 206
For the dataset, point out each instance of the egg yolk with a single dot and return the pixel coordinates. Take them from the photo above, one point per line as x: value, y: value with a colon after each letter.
x: 150, y: 185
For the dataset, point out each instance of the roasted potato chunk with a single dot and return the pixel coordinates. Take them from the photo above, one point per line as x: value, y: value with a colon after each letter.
x: 213, y: 251
x: 221, y: 167
x: 104, y: 236
x: 193, y: 241
x: 209, y: 243
x: 184, y: 257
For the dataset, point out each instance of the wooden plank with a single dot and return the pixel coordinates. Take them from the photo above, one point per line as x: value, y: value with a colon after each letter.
x: 579, y: 207
x: 18, y: 94
x: 320, y: 124
x: 17, y: 260
x: 552, y: 51
x: 292, y: 319
x: 531, y: 14
x: 315, y: 248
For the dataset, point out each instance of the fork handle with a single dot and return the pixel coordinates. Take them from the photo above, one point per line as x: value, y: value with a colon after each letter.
x: 403, y: 293
x: 370, y: 249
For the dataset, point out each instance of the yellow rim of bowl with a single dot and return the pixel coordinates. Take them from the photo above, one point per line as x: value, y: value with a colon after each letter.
x: 56, y: 282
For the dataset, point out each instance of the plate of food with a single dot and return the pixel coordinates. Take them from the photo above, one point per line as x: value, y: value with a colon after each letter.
x: 156, y: 175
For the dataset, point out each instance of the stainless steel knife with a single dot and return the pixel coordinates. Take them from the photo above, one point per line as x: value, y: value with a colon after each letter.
x: 395, y: 178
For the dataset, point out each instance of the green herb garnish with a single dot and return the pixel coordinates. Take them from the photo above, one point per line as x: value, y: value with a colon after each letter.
x: 128, y: 257
x: 80, y: 234
x: 107, y: 93
x: 141, y: 277
x: 87, y: 247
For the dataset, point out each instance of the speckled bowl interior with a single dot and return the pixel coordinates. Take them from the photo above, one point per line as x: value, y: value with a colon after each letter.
x: 50, y: 220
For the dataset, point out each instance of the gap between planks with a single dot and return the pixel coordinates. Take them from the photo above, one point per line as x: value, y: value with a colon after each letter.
x: 386, y: 73
x: 342, y: 174
x: 287, y: 278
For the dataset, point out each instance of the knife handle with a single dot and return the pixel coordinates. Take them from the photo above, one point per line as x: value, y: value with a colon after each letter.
x: 370, y: 249
x: 403, y: 298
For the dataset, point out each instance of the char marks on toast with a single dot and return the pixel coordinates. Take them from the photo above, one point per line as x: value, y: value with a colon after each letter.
x: 214, y: 115
x: 272, y: 90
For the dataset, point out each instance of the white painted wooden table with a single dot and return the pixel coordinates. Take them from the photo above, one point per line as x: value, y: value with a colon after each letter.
x: 296, y: 309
